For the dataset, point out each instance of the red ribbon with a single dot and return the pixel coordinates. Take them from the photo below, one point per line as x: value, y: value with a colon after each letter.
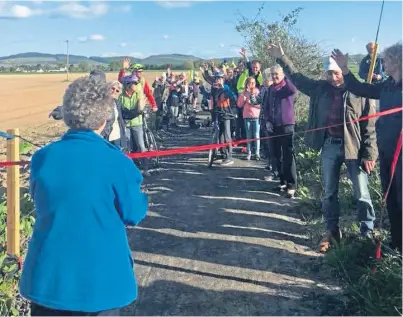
x: 207, y: 147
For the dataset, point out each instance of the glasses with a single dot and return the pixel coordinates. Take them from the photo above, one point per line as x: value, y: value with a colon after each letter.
x: 115, y: 90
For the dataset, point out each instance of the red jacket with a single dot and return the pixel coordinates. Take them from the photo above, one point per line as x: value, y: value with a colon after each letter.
x: 146, y: 89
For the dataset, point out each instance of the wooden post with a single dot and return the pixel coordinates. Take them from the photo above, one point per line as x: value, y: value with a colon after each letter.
x: 372, y: 65
x: 13, y: 196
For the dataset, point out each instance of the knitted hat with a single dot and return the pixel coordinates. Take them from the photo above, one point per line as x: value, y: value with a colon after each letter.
x: 330, y: 64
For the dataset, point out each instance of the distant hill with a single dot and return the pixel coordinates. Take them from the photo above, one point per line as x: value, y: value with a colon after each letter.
x: 33, y: 58
x: 176, y: 60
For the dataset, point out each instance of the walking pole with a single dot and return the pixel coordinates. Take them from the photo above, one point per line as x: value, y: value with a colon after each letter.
x: 375, y: 52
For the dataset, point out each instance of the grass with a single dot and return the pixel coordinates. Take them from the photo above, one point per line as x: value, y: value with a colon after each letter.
x: 11, y: 303
x: 353, y: 260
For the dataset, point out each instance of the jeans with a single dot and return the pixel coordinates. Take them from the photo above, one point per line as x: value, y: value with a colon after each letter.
x: 394, y: 199
x: 38, y: 310
x: 332, y: 159
x: 174, y: 113
x: 252, y: 128
x: 137, y: 143
x: 284, y: 155
x: 225, y: 136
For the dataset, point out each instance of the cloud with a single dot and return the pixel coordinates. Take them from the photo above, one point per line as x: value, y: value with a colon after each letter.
x: 222, y: 45
x: 124, y: 9
x: 136, y: 54
x: 16, y: 11
x: 73, y: 10
x: 123, y: 44
x: 92, y: 37
x: 109, y: 54
x: 79, y: 11
x: 174, y: 4
x: 165, y: 36
x: 96, y: 37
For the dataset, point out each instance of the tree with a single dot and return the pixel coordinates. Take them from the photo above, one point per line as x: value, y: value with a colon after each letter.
x: 188, y: 65
x: 115, y: 66
x: 306, y: 56
x: 83, y: 67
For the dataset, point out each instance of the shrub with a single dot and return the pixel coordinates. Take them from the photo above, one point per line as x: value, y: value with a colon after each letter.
x: 11, y: 303
x: 353, y: 260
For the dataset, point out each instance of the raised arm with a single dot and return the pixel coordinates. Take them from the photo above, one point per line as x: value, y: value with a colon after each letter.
x: 303, y: 83
x: 372, y: 91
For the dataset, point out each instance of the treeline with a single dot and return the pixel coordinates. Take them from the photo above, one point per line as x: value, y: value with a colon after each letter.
x: 113, y: 66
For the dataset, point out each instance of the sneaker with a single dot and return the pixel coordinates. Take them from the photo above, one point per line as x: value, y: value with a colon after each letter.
x: 281, y: 188
x: 330, y: 239
x: 257, y: 157
x: 248, y: 156
x: 290, y: 193
x: 227, y: 162
x: 367, y: 234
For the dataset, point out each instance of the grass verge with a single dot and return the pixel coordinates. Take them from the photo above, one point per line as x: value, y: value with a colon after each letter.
x: 371, y: 287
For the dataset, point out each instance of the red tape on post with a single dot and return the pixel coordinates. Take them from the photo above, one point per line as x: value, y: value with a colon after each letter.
x: 207, y: 147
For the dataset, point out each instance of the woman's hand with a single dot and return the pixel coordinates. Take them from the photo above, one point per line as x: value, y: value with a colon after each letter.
x: 275, y: 50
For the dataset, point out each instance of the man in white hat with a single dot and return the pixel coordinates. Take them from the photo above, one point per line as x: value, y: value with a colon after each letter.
x: 332, y: 110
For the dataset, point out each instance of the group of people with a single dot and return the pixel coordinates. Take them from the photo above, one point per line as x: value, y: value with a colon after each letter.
x: 79, y: 261
x: 256, y: 104
x: 337, y: 104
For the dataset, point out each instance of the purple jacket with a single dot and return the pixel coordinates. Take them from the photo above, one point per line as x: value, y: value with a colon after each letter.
x: 279, y: 106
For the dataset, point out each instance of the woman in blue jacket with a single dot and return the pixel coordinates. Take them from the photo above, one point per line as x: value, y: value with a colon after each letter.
x: 85, y: 191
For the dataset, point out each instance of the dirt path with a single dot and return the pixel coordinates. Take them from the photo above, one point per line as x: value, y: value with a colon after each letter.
x: 220, y: 242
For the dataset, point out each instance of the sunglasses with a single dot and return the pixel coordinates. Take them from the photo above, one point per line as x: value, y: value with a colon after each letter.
x: 115, y: 90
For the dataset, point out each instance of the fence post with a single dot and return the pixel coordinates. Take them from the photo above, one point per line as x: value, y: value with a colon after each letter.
x: 13, y: 195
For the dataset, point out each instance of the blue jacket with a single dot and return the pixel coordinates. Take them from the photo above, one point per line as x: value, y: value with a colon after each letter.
x: 85, y: 190
x: 364, y: 68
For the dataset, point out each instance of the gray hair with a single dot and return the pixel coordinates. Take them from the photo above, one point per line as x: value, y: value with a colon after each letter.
x: 116, y: 83
x: 87, y: 103
x: 276, y: 69
x: 266, y: 74
x: 394, y: 52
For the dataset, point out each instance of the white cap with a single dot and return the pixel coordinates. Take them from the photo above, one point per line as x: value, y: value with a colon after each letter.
x: 330, y: 64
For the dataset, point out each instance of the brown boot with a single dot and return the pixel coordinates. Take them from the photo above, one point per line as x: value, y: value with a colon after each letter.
x: 331, y: 238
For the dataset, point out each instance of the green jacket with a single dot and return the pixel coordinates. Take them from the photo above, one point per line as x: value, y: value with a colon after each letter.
x: 244, y: 76
x: 130, y: 111
x: 359, y: 137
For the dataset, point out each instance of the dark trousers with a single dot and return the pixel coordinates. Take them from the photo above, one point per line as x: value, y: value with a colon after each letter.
x: 285, y: 156
x: 270, y: 150
x: 240, y: 133
x: 159, y: 115
x: 394, y: 199
x: 225, y: 136
x: 38, y: 310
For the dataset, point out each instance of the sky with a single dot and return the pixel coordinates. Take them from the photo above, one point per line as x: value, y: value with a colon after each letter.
x: 205, y: 29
